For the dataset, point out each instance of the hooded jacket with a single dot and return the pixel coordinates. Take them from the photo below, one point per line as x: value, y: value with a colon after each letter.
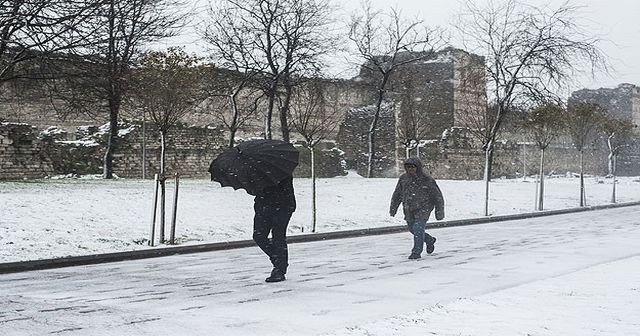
x: 419, y: 194
x: 280, y: 196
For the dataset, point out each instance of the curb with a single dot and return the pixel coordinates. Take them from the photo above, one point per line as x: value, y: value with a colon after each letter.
x: 32, y: 265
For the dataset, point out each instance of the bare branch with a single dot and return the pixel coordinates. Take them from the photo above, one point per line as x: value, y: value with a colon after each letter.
x: 385, y: 42
x: 277, y: 42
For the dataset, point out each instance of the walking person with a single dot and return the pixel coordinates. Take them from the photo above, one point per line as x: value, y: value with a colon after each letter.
x: 273, y: 209
x: 420, y: 195
x: 264, y: 168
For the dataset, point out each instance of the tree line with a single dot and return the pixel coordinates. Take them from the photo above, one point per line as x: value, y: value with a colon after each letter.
x: 98, y: 58
x: 583, y: 123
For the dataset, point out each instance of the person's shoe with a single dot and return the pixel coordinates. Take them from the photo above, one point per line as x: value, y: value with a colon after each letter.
x: 276, y: 276
x: 414, y: 256
x: 431, y: 247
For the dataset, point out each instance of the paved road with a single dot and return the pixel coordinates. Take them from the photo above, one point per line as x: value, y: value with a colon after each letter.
x: 332, y: 284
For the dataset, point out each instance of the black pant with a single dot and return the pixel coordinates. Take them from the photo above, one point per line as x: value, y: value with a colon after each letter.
x: 275, y: 221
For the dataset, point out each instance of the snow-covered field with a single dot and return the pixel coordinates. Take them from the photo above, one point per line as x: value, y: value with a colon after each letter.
x: 525, y: 277
x: 572, y: 275
x: 67, y: 217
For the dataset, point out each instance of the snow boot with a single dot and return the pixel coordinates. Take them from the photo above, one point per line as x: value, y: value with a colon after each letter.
x: 414, y: 256
x: 431, y: 246
x: 276, y: 276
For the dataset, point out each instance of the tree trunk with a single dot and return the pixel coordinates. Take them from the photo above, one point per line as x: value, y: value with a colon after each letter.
x: 582, y: 197
x: 162, y: 152
x: 524, y: 161
x: 232, y: 137
x: 313, y: 190
x: 144, y: 144
x: 162, y: 186
x: 233, y: 128
x: 372, y: 131
x: 541, y: 194
x: 490, y: 162
x: 487, y: 174
x: 269, y: 116
x: 613, y: 176
x: 163, y: 192
x: 107, y: 171
x: 284, y: 113
x: 371, y: 146
x: 114, y: 98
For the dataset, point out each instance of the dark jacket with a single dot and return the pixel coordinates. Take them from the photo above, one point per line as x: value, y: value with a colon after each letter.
x: 419, y: 195
x: 280, y: 196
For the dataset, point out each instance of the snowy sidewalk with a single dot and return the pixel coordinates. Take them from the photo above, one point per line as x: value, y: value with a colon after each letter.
x: 359, y: 286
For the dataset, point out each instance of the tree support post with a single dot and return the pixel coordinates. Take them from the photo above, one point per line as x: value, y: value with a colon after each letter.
x: 153, y: 217
x: 172, y: 234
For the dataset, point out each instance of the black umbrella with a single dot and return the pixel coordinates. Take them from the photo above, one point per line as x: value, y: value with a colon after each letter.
x: 254, y: 165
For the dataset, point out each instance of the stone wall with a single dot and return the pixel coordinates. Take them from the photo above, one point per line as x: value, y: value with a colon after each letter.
x: 444, y: 90
x: 21, y: 153
x: 454, y: 159
x: 353, y: 140
x: 189, y: 151
x: 329, y: 161
x: 26, y: 154
x: 339, y: 94
x: 29, y: 102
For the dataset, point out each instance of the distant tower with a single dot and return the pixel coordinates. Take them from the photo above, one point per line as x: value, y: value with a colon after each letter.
x: 435, y: 95
x: 423, y: 100
x: 621, y: 102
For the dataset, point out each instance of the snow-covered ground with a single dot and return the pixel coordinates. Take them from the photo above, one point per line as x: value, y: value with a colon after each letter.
x: 572, y: 275
x: 68, y: 217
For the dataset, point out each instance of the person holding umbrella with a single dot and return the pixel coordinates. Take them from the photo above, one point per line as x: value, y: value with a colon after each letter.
x: 273, y: 208
x: 419, y: 194
x: 264, y: 168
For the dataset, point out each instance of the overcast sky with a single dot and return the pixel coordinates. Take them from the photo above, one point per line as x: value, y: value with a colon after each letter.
x: 615, y: 21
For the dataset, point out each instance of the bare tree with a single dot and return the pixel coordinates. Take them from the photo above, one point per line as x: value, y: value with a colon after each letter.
x: 232, y: 101
x: 36, y: 31
x: 315, y: 115
x: 584, y: 122
x: 544, y: 124
x: 385, y: 42
x: 100, y: 81
x: 276, y: 41
x: 619, y: 133
x: 167, y: 86
x: 228, y: 43
x: 530, y: 52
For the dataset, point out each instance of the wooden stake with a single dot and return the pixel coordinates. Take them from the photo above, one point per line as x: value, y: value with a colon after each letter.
x: 153, y: 220
x: 172, y: 234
